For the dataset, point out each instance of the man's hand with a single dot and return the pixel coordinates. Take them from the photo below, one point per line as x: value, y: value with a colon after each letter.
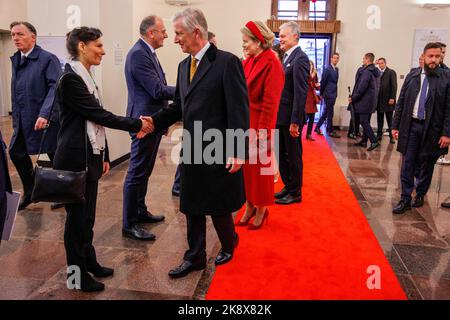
x: 295, y: 130
x: 147, y: 127
x: 444, y: 142
x: 106, y: 168
x: 234, y: 165
x: 350, y: 100
x: 395, y: 134
x: 391, y: 102
x: 41, y: 124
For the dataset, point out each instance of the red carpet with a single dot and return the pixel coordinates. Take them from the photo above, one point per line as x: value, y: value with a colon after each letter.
x: 319, y: 250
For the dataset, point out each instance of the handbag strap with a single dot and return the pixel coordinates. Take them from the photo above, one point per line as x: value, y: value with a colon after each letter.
x: 44, y: 134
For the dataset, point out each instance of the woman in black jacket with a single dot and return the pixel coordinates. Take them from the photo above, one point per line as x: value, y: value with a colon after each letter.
x: 82, y: 120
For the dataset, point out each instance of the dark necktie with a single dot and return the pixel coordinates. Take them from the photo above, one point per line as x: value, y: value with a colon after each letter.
x: 159, y: 66
x: 423, y: 99
x: 23, y: 59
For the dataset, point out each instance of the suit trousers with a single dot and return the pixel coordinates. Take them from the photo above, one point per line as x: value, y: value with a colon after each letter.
x: 142, y: 162
x: 368, y: 134
x: 417, y: 170
x: 22, y: 161
x: 327, y: 115
x: 290, y: 153
x: 196, y: 236
x: 310, y: 117
x: 380, y: 118
x: 79, y: 230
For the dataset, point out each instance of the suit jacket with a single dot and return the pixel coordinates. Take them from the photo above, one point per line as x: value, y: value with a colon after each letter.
x: 148, y: 91
x: 329, y: 83
x: 388, y: 91
x: 218, y: 98
x: 32, y: 92
x: 437, y: 123
x: 293, y: 98
x: 76, y: 106
x: 5, y: 183
x: 365, y: 92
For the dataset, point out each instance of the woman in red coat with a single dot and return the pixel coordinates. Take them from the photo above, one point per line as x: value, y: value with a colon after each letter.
x: 312, y: 100
x: 265, y: 81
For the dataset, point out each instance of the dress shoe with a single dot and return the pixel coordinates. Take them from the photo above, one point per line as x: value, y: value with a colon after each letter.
x: 89, y: 284
x: 149, y: 218
x: 374, y: 146
x: 176, y: 192
x: 254, y: 227
x: 361, y: 144
x: 289, y: 199
x: 138, y: 233
x: 402, y: 207
x: 223, y: 258
x: 446, y: 205
x: 101, y: 272
x: 245, y: 223
x: 379, y: 139
x: 319, y: 132
x: 26, y: 201
x: 419, y: 202
x: 56, y: 206
x: 185, y: 268
x: 283, y: 193
x: 351, y: 136
x: 392, y: 141
x: 310, y: 138
x: 334, y: 135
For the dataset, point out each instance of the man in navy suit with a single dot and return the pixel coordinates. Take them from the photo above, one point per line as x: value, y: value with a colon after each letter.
x: 291, y: 115
x: 329, y: 90
x: 148, y: 93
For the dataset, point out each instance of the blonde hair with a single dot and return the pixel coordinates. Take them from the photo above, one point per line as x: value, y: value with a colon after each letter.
x: 313, y: 70
x: 268, y: 35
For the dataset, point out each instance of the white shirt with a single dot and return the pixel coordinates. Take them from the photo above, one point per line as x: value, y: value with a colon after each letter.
x: 416, y: 105
x: 199, y: 56
x: 288, y: 53
x: 149, y: 45
x: 28, y: 53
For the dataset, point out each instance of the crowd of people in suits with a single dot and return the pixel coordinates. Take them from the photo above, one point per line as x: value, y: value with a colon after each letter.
x: 272, y: 91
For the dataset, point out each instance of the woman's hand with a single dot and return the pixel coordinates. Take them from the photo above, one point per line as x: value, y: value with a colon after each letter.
x: 106, y: 168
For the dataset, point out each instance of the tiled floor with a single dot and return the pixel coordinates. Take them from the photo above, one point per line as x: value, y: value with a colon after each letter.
x: 32, y: 264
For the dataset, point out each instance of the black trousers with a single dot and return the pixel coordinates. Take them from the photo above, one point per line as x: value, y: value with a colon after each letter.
x: 22, y: 161
x: 417, y: 170
x: 310, y: 118
x: 79, y: 231
x: 290, y: 152
x: 380, y: 118
x: 354, y: 125
x: 368, y: 131
x: 196, y: 236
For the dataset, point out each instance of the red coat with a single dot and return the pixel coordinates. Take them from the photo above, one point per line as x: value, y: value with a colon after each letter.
x: 311, y: 104
x: 265, y: 81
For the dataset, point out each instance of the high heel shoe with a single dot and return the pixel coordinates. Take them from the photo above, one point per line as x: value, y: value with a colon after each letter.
x: 265, y: 220
x: 245, y: 223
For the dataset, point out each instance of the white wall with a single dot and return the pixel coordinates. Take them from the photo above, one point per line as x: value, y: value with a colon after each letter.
x: 12, y: 10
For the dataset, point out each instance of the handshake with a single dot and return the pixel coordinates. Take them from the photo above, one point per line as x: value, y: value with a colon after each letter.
x: 147, y: 127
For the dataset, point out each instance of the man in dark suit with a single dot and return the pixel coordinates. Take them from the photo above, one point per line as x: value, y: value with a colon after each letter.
x: 34, y: 76
x: 329, y: 90
x: 211, y: 95
x: 422, y: 126
x: 148, y: 93
x: 364, y: 99
x: 386, y: 98
x: 291, y: 115
x: 5, y: 183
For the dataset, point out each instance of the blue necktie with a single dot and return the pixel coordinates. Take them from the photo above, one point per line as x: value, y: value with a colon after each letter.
x: 423, y: 99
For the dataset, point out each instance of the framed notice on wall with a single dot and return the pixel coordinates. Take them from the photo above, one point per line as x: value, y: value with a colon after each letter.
x: 424, y: 36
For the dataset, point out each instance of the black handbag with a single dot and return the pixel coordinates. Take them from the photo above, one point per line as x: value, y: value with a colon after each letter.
x: 58, y: 186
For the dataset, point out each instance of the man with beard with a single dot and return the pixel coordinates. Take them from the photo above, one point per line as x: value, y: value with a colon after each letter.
x: 422, y: 126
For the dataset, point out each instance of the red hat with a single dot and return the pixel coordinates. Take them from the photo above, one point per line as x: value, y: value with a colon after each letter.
x: 255, y: 30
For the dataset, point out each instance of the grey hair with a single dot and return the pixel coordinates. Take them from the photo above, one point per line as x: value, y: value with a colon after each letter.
x: 147, y: 23
x: 295, y: 28
x: 193, y: 19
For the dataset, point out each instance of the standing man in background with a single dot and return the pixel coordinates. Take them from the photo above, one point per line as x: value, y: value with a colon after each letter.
x: 35, y: 73
x: 148, y: 93
x: 329, y: 91
x: 443, y: 160
x: 386, y: 98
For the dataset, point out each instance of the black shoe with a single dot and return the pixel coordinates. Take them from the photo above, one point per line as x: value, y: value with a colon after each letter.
x: 150, y: 218
x: 374, y: 146
x: 392, y: 141
x: 185, y: 268
x: 379, y: 138
x: 56, y: 206
x: 138, y: 233
x: 319, y: 132
x: 289, y: 199
x: 89, y: 284
x: 361, y: 144
x: 351, y: 136
x: 223, y: 258
x: 176, y: 192
x: 310, y: 138
x: 419, y: 202
x: 334, y: 135
x: 26, y: 201
x: 446, y: 205
x: 101, y: 272
x: 283, y: 193
x: 402, y: 207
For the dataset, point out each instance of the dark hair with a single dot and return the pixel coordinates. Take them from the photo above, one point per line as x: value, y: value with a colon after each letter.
x: 211, y: 35
x: 443, y: 45
x: 335, y: 54
x: 77, y: 35
x: 382, y: 59
x: 432, y: 45
x: 370, y: 56
x: 29, y: 26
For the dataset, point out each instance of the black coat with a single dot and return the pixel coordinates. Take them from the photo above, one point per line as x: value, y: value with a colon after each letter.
x: 293, y: 99
x: 218, y: 98
x: 437, y: 122
x: 388, y: 91
x: 365, y: 93
x: 5, y: 183
x: 76, y: 106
